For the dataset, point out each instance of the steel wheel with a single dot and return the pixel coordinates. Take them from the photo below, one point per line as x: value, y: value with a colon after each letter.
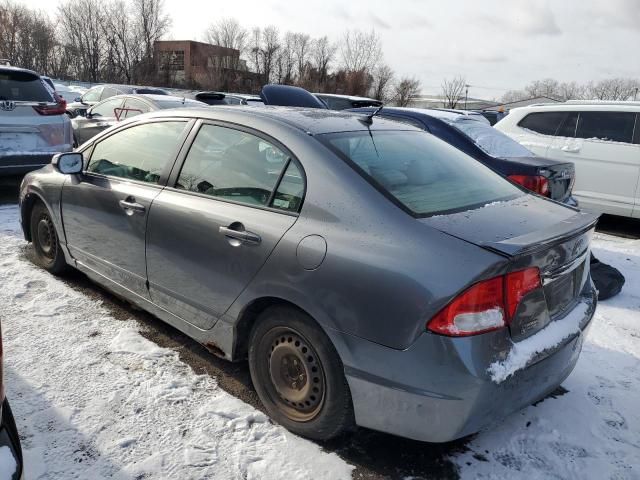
x: 47, y: 248
x: 46, y: 240
x: 296, y: 373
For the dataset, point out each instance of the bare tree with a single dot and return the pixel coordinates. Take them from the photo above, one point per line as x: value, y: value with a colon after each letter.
x: 382, y: 82
x: 228, y: 33
x: 286, y: 59
x: 613, y: 89
x: 405, y: 90
x: 301, y: 49
x: 360, y: 51
x: 151, y: 25
x: 453, y: 91
x: 323, y: 53
x: 270, y: 46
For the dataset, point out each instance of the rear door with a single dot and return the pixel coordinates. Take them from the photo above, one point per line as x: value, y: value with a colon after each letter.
x: 27, y: 126
x: 105, y: 209
x: 235, y: 196
x: 607, y: 163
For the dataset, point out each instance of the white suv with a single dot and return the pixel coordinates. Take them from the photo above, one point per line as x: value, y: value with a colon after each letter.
x: 33, y: 122
x: 602, y: 139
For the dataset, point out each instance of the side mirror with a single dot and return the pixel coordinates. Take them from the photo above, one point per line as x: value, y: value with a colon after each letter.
x: 77, y: 99
x: 68, y: 162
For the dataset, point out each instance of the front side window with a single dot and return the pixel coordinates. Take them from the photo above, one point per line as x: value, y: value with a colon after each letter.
x: 92, y: 95
x: 545, y: 123
x: 490, y: 140
x: 423, y: 173
x: 107, y: 108
x: 233, y: 165
x: 140, y: 153
x: 607, y: 126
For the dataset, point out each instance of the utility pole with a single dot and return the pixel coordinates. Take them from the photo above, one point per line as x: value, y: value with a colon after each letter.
x: 635, y: 94
x: 466, y: 95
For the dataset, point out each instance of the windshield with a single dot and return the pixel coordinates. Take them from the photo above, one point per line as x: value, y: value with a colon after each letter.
x: 421, y: 172
x: 490, y: 140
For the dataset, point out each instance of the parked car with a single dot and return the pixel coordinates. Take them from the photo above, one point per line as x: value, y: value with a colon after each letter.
x: 10, y: 449
x: 221, y: 98
x: 33, y: 125
x: 121, y: 107
x: 602, y: 140
x: 469, y: 114
x: 493, y: 116
x: 343, y: 102
x: 69, y: 93
x: 364, y: 267
x: 102, y: 92
x: 549, y: 178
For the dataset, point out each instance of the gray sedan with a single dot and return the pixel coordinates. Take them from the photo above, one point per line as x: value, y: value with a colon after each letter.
x: 372, y: 274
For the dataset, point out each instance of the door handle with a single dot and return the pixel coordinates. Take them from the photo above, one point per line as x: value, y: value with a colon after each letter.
x: 131, y: 206
x: 242, y: 235
x: 568, y: 149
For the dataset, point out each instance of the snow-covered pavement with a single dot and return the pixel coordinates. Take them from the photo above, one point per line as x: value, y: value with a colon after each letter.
x: 94, y: 399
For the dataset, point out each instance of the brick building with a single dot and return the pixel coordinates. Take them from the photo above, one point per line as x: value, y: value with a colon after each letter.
x: 190, y: 64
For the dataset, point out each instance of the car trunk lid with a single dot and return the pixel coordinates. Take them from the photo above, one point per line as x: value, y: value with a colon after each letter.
x: 561, y: 176
x: 531, y: 232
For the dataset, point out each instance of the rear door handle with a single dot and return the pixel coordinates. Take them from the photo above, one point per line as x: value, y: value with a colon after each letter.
x: 242, y: 235
x: 131, y: 206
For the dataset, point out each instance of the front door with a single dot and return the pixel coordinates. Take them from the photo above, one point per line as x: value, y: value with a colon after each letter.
x: 235, y: 197
x: 105, y: 209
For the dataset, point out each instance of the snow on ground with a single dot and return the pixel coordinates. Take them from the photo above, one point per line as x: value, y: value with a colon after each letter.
x: 593, y: 431
x: 93, y: 399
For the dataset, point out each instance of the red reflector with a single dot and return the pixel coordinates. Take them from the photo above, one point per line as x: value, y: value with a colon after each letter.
x: 517, y: 285
x: 535, y: 183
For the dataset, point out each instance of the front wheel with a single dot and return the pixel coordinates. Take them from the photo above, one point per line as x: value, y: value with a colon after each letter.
x: 46, y: 244
x: 298, y: 374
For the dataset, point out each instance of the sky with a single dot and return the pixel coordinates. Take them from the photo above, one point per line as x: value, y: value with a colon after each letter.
x: 497, y: 45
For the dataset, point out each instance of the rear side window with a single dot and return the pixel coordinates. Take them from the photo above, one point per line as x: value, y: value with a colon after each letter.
x: 140, y: 153
x: 568, y: 127
x: 546, y: 123
x: 290, y: 192
x: 608, y: 126
x: 108, y: 92
x: 233, y: 165
x: 23, y: 87
x: 421, y: 172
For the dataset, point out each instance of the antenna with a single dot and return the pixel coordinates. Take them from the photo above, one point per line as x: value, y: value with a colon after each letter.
x: 368, y: 119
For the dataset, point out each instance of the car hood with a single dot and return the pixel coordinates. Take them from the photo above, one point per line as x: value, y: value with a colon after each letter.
x: 514, y: 227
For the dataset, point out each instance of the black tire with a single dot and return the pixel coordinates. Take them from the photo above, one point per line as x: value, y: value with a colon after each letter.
x: 298, y: 374
x: 46, y: 243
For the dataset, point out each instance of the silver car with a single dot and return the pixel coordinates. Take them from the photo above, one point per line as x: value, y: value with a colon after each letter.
x: 33, y: 123
x: 372, y: 274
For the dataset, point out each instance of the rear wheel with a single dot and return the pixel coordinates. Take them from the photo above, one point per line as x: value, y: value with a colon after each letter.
x: 298, y: 374
x: 46, y: 244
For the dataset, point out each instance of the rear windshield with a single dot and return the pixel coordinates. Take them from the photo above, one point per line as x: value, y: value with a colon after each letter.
x: 424, y: 174
x: 23, y: 86
x: 490, y: 140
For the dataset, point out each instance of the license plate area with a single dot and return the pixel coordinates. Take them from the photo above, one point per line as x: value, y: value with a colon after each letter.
x: 563, y: 291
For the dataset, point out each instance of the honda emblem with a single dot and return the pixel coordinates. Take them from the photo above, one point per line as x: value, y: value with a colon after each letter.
x: 7, y: 105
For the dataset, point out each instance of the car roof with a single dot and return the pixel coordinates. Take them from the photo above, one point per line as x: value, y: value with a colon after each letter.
x: 572, y: 106
x: 11, y: 68
x: 313, y: 121
x: 347, y: 97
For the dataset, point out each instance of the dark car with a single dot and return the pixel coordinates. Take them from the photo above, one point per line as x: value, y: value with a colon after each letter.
x: 102, y: 92
x: 343, y: 102
x: 10, y: 449
x: 115, y: 109
x: 493, y: 116
x: 372, y: 273
x: 546, y: 177
x: 220, y: 98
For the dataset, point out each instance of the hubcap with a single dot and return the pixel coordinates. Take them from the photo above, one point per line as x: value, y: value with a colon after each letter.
x: 46, y: 237
x: 296, y: 375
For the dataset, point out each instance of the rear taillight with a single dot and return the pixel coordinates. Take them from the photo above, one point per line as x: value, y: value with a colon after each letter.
x: 58, y: 109
x: 486, y: 306
x: 535, y: 183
